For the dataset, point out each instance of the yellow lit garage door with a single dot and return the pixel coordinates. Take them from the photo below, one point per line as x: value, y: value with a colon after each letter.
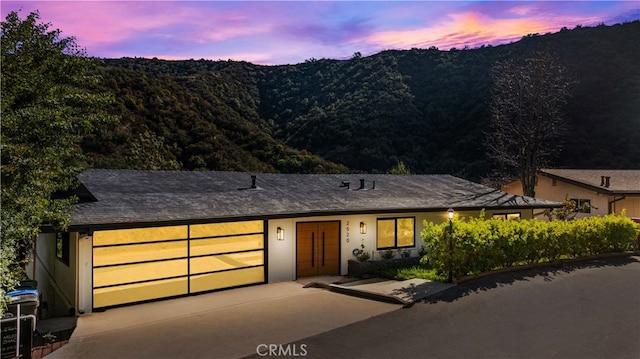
x: 134, y: 265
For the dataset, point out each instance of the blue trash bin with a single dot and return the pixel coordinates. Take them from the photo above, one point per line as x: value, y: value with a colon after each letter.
x: 27, y: 298
x: 16, y: 333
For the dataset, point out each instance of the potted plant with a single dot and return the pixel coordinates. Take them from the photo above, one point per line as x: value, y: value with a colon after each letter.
x: 362, y: 256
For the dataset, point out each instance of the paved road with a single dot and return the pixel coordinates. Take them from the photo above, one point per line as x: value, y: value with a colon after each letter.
x: 588, y: 310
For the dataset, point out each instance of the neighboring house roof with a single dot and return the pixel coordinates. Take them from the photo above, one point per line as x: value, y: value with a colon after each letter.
x: 619, y: 182
x: 128, y: 196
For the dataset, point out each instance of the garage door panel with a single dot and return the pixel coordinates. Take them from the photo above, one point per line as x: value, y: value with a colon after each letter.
x: 129, y: 273
x: 226, y: 244
x: 130, y: 293
x: 233, y: 278
x: 225, y: 229
x: 139, y: 235
x: 226, y: 261
x: 139, y: 253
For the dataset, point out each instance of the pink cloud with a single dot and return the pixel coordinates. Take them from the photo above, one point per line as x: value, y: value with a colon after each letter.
x: 460, y: 29
x: 108, y: 22
x: 524, y: 10
x: 102, y: 21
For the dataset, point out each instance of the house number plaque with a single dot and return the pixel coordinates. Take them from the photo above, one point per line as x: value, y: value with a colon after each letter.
x: 347, y: 231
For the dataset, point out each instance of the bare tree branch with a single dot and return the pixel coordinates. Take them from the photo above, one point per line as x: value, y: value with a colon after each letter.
x: 526, y: 124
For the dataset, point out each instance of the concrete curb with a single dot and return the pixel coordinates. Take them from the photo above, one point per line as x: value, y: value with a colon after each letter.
x: 556, y: 263
x: 405, y: 292
x: 367, y: 294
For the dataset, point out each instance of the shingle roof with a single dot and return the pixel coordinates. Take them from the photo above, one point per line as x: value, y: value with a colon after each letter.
x: 620, y: 181
x: 127, y: 196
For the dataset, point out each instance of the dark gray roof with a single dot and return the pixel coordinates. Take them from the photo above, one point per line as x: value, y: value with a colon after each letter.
x: 127, y: 196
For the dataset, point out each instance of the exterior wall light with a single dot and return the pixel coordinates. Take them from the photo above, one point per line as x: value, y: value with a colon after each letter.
x: 363, y: 228
x: 280, y: 234
x: 450, y: 213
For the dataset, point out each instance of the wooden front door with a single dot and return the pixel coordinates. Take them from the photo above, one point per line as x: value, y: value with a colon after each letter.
x: 318, y: 248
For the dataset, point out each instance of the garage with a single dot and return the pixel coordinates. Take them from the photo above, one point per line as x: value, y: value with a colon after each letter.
x: 141, y: 264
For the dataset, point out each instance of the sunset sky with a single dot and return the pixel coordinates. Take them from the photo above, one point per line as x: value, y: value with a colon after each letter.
x: 275, y: 32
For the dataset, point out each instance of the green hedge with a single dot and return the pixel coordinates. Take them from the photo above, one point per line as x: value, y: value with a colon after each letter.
x: 481, y: 245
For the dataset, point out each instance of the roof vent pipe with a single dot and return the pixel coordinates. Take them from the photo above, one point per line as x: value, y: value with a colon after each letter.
x: 361, y: 183
x: 607, y: 181
x: 601, y: 181
x: 253, y: 182
x: 374, y: 185
x: 345, y: 184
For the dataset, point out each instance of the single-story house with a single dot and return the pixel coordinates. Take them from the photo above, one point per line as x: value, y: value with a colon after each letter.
x: 603, y: 191
x: 138, y: 236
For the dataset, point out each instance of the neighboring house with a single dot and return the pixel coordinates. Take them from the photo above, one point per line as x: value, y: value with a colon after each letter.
x: 148, y: 235
x: 604, y: 191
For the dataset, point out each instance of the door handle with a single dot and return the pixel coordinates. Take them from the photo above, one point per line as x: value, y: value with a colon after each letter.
x: 323, y: 249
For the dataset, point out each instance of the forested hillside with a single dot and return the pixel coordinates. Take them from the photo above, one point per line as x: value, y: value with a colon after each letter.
x: 425, y: 107
x: 191, y: 115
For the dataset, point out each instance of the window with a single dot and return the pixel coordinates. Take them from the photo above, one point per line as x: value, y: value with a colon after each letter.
x: 62, y: 247
x: 396, y: 232
x: 508, y: 216
x: 582, y: 205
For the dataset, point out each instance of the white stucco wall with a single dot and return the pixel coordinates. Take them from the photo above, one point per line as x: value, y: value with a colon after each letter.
x: 56, y: 279
x: 39, y: 268
x: 65, y: 275
x: 281, y: 255
x: 85, y: 275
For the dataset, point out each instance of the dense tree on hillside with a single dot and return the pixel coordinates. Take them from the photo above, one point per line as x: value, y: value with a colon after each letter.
x: 48, y: 106
x: 359, y: 112
x: 150, y: 152
x: 428, y: 108
x: 526, y: 115
x: 203, y: 113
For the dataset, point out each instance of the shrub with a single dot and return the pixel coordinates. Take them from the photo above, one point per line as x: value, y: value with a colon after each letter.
x: 388, y: 254
x: 476, y: 245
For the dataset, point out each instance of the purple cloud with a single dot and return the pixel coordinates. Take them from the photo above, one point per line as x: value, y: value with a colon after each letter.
x: 274, y: 32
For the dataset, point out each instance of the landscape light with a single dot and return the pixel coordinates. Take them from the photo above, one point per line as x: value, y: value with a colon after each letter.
x: 450, y: 213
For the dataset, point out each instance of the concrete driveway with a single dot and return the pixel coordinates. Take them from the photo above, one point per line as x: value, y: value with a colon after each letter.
x: 226, y: 324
